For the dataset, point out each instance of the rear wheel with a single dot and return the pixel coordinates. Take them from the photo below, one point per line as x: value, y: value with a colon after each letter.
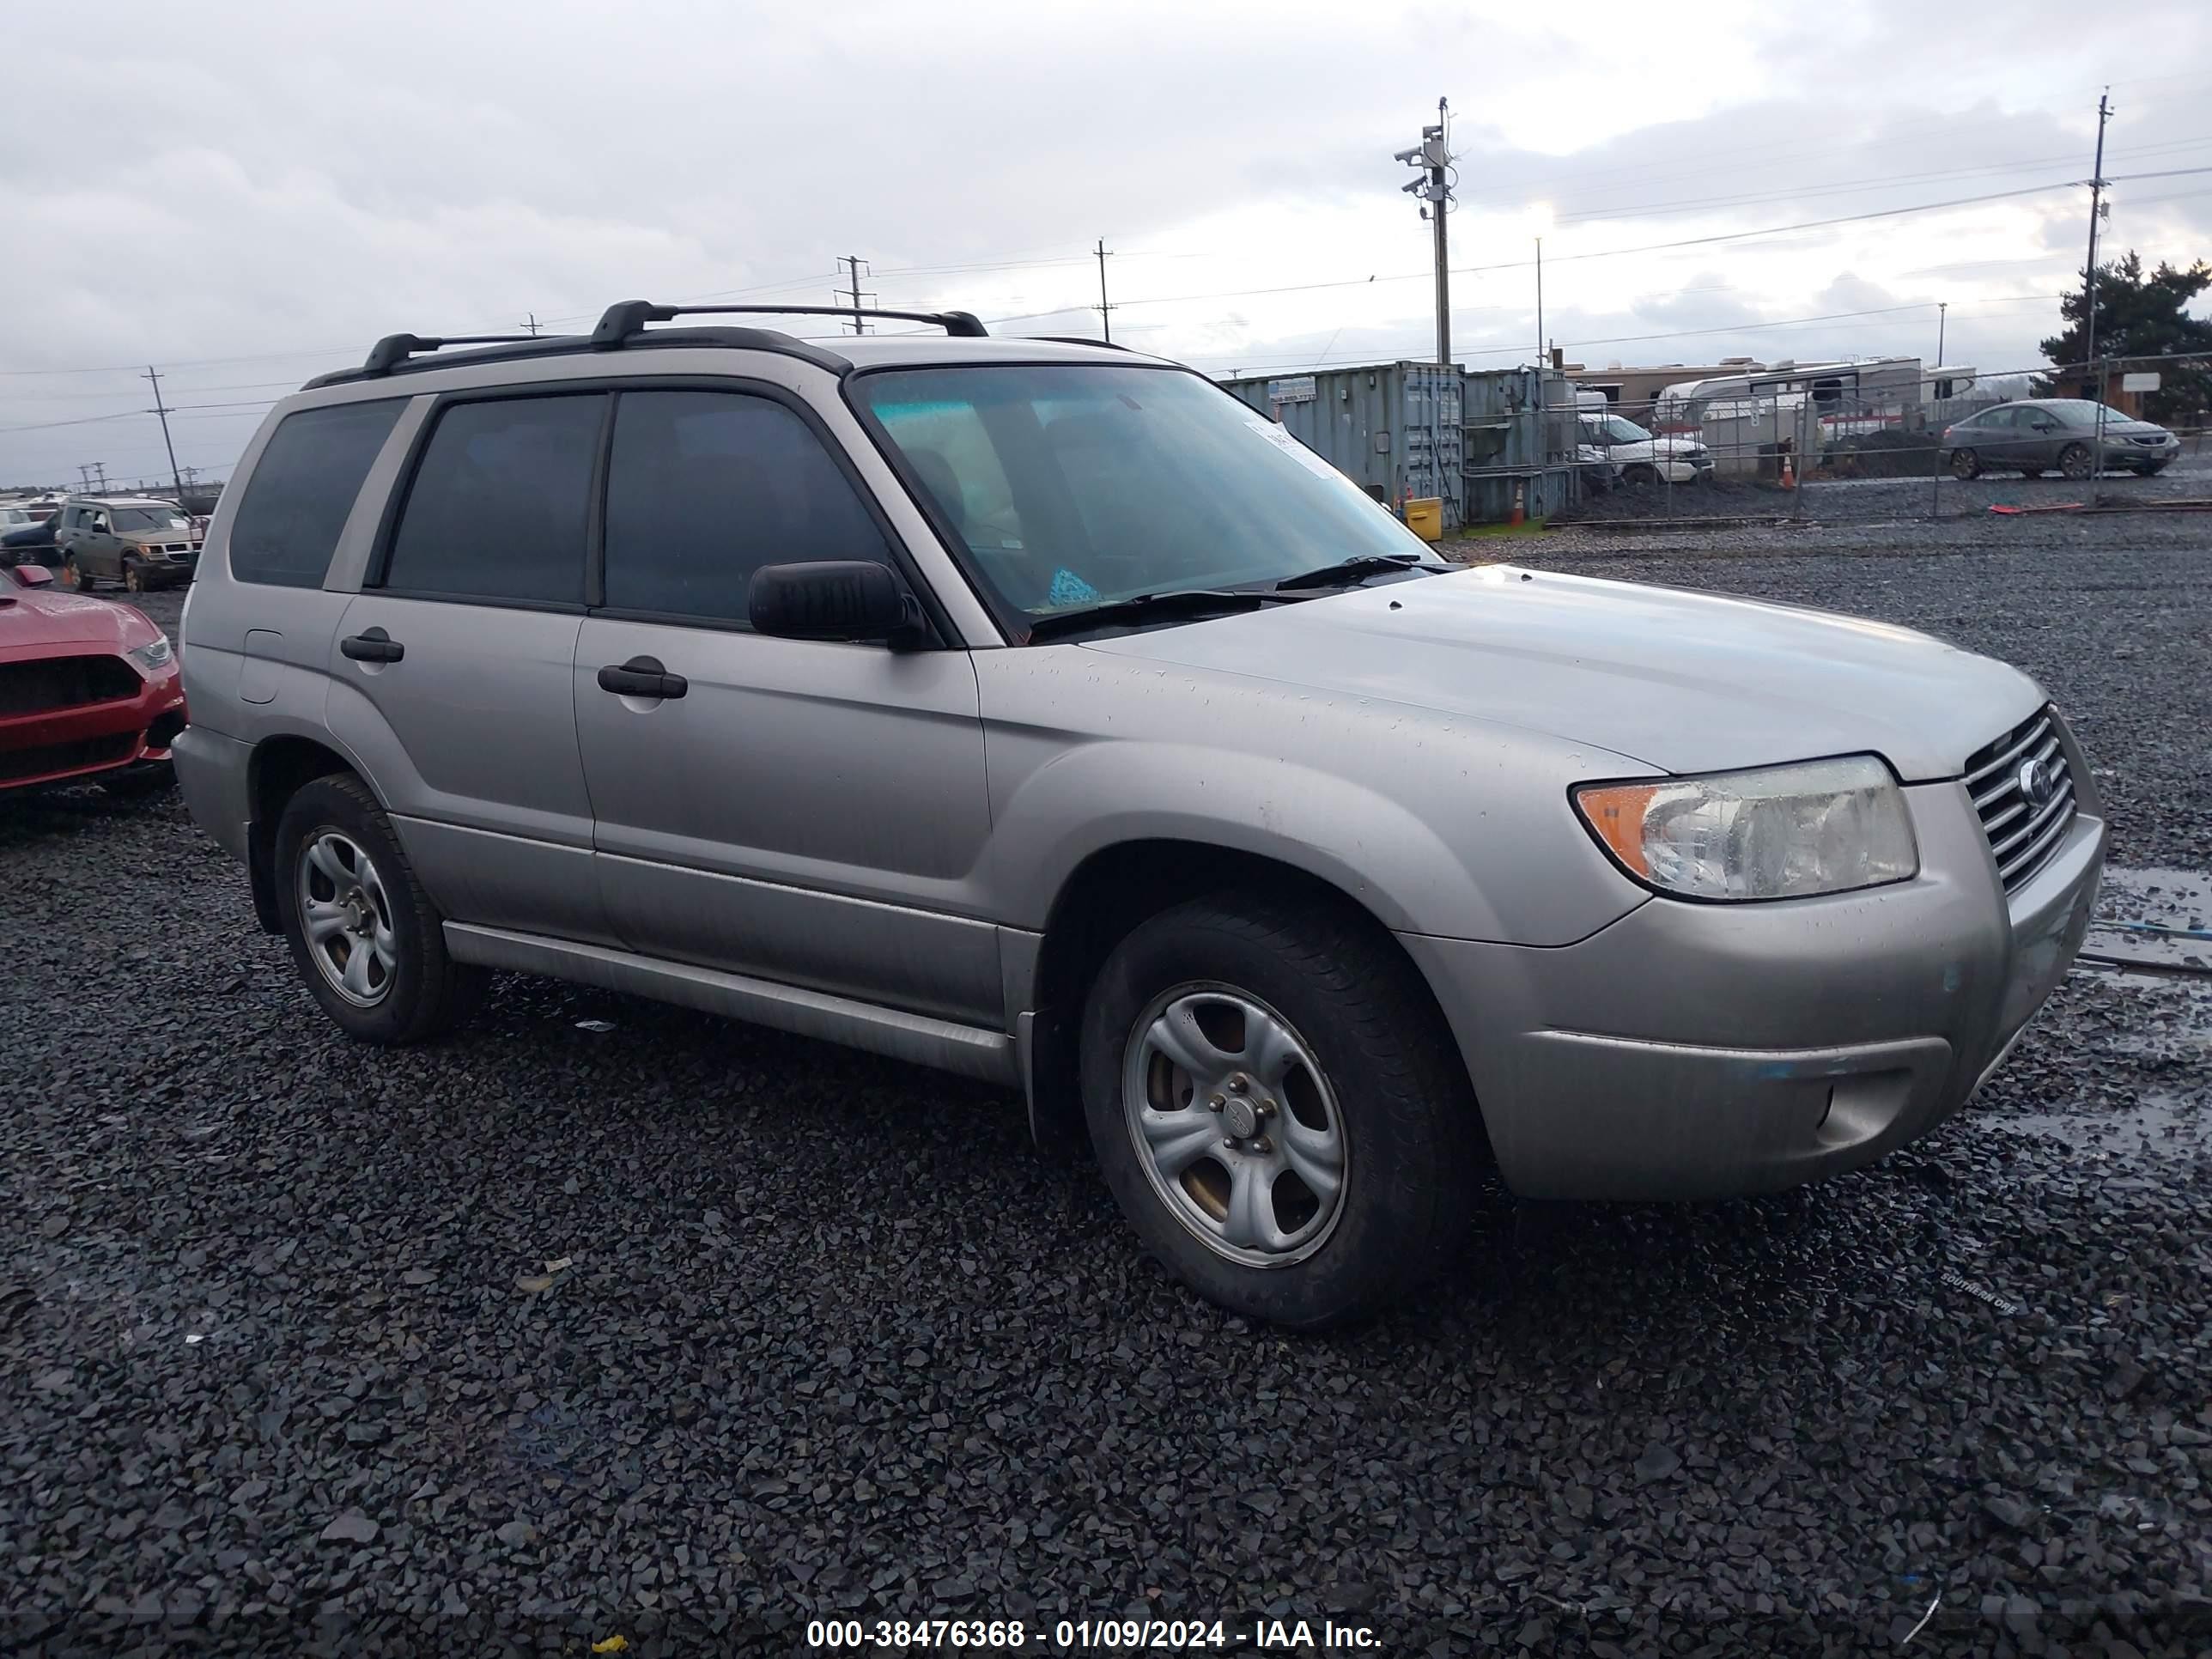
x: 1277, y: 1108
x: 1964, y: 465
x: 368, y: 940
x: 2074, y: 461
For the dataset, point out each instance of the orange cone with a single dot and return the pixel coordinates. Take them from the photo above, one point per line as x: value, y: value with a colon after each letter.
x: 1789, y: 473
x: 1520, y: 491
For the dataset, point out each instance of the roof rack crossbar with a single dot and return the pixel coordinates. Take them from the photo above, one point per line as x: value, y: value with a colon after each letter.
x: 395, y: 349
x: 1077, y: 339
x: 625, y: 316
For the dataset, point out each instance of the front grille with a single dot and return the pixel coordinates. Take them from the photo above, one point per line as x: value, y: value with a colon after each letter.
x: 19, y: 763
x: 51, y: 683
x: 2024, y: 828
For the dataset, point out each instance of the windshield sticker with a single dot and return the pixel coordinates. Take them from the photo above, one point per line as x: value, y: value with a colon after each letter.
x: 1296, y: 450
x: 1068, y: 588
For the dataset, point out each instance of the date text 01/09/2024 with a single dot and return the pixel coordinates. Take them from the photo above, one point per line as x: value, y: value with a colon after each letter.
x: 1084, y: 1635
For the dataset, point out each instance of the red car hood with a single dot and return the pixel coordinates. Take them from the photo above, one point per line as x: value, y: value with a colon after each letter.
x: 42, y: 621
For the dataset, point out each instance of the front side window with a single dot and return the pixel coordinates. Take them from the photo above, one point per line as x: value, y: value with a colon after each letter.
x: 1075, y: 485
x: 302, y: 491
x: 497, y: 508
x: 704, y: 488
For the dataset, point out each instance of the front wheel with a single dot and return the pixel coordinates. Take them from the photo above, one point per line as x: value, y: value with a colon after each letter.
x: 134, y: 579
x: 75, y: 575
x: 2074, y: 462
x: 1278, y: 1108
x: 1965, y: 465
x: 367, y: 938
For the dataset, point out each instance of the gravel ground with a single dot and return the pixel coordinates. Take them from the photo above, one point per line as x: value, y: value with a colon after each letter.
x: 688, y: 1332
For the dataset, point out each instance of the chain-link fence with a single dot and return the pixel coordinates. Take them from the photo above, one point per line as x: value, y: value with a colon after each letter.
x: 1769, y: 442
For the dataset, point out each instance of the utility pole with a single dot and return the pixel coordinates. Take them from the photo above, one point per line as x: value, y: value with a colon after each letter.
x: 1543, y: 351
x: 2096, y: 202
x: 1105, y: 322
x: 1943, y: 316
x: 530, y: 327
x: 1432, y: 188
x: 853, y: 262
x: 162, y: 410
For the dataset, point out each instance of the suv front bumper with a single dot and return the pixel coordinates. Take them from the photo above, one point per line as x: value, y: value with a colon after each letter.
x: 1705, y: 1050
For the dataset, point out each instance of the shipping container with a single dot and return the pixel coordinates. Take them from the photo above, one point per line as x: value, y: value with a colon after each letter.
x: 1476, y: 440
x: 1392, y: 428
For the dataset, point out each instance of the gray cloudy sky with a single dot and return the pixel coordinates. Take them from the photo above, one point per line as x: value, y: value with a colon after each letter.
x: 247, y: 194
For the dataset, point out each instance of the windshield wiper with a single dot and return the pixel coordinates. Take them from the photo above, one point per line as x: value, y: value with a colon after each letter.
x: 1152, y: 607
x: 1351, y: 570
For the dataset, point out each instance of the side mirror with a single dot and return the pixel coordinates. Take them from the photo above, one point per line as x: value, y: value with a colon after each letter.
x: 33, y: 575
x: 849, y: 599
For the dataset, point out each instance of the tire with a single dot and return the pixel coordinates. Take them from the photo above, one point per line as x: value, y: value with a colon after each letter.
x: 421, y: 990
x: 1371, y: 1070
x: 134, y: 579
x: 140, y: 782
x: 1638, y: 474
x: 1965, y: 465
x: 74, y: 575
x: 2074, y: 462
x: 2153, y: 469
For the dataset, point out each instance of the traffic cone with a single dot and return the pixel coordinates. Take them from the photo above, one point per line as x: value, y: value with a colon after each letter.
x: 1789, y: 473
x: 1520, y: 491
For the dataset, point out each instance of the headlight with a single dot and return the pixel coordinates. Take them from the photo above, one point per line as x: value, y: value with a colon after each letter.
x: 155, y: 654
x: 1780, y: 832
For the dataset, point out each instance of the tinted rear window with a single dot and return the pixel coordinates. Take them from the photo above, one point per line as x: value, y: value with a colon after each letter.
x: 298, y: 498
x: 497, y: 508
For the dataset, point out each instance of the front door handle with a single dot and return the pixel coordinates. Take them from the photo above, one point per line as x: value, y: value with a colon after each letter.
x: 642, y: 676
x: 372, y: 645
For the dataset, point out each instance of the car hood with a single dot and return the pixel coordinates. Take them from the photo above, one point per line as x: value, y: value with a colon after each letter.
x: 2132, y: 430
x: 1685, y: 682
x: 40, y: 618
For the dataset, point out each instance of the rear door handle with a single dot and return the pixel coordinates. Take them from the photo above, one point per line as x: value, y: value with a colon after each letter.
x: 642, y: 676
x: 372, y: 645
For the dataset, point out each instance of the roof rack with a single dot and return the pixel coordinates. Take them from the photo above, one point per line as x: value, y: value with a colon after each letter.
x: 395, y: 349
x: 626, y: 317
x: 1077, y: 339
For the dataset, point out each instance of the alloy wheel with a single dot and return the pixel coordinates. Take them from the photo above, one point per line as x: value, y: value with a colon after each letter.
x: 346, y: 918
x: 1235, y: 1124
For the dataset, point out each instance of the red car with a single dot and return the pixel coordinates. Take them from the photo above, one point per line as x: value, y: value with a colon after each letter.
x: 88, y: 690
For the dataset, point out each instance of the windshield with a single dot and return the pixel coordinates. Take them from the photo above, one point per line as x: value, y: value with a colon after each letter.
x: 1075, y: 485
x: 1621, y: 431
x: 2080, y: 411
x: 148, y: 518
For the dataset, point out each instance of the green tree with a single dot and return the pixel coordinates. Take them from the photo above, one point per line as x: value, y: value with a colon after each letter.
x: 2140, y: 317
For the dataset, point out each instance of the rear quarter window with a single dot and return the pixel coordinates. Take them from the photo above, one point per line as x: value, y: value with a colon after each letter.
x: 303, y: 488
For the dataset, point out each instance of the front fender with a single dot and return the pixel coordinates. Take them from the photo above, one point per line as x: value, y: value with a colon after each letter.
x: 1477, y: 873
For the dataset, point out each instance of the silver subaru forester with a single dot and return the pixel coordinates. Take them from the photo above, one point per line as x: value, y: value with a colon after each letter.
x: 1037, y: 711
